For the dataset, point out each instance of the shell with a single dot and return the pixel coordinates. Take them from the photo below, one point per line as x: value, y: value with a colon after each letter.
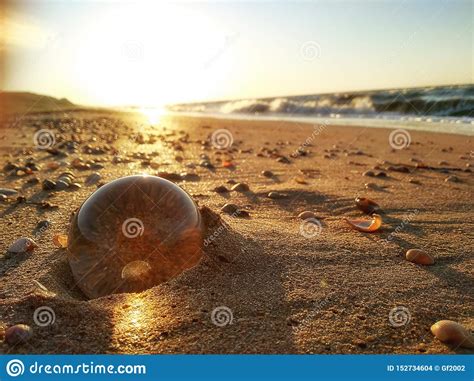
x: 450, y: 332
x: 18, y: 334
x: 240, y: 187
x: 367, y: 205
x: 22, y: 245
x: 306, y: 214
x: 366, y: 226
x: 419, y: 256
x: 60, y: 240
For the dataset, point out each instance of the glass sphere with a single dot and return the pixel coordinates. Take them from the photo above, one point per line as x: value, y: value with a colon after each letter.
x: 133, y: 233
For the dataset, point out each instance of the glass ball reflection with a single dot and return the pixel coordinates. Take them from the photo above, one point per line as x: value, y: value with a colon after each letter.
x: 133, y: 233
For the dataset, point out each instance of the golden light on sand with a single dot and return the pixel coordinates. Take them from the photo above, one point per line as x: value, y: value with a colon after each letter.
x: 153, y: 115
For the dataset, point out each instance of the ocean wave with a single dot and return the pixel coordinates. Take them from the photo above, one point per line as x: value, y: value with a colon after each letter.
x: 444, y: 101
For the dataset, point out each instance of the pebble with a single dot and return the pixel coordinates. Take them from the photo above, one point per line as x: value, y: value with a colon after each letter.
x: 61, y: 185
x: 22, y: 245
x: 171, y: 176
x: 267, y: 173
x: 3, y: 197
x: 240, y: 187
x: 230, y: 208
x: 75, y: 186
x: 414, y: 181
x: 32, y: 180
x: 221, y: 189
x: 276, y: 195
x: 284, y: 160
x: 452, y: 179
x: 93, y: 178
x: 42, y: 225
x: 8, y: 192
x: 18, y: 334
x: 401, y: 169
x: 368, y: 173
x: 367, y: 205
x: 419, y: 257
x: 381, y: 174
x: 453, y: 333
x: 306, y: 214
x: 48, y: 185
x: 60, y: 240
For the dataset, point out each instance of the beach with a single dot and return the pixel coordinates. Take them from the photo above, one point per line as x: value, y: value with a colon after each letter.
x: 287, y: 287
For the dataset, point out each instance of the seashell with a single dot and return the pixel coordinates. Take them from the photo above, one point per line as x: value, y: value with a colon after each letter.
x: 419, y: 257
x: 61, y: 185
x: 53, y: 165
x: 114, y: 227
x: 267, y: 173
x: 452, y: 179
x: 18, y: 334
x: 369, y: 173
x: 366, y: 226
x: 453, y: 333
x: 367, y: 205
x: 60, y: 240
x: 300, y: 180
x: 228, y: 164
x: 8, y: 192
x: 230, y: 208
x: 306, y: 214
x: 48, y: 185
x: 221, y: 189
x: 276, y: 195
x: 22, y: 245
x: 240, y: 187
x: 93, y: 178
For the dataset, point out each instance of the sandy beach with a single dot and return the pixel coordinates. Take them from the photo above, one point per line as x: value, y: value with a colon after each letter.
x: 290, y: 287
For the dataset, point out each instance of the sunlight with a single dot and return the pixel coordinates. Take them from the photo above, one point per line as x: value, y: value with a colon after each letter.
x: 153, y: 114
x: 140, y: 53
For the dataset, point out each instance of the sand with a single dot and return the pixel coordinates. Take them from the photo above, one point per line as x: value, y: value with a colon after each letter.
x: 330, y: 292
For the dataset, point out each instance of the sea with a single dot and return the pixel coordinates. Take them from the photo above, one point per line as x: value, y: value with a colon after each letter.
x: 448, y: 109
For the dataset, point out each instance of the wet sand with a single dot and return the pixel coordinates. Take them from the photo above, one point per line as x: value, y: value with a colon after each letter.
x: 289, y: 290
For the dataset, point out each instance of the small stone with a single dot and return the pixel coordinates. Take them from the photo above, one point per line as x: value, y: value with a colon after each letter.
x: 230, y: 208
x: 8, y: 192
x: 32, y: 180
x: 22, y: 245
x: 60, y: 240
x: 414, y: 181
x: 75, y: 186
x: 48, y: 185
x: 42, y: 226
x: 452, y: 179
x: 18, y: 334
x: 171, y: 176
x: 381, y: 174
x: 240, y: 187
x: 368, y: 174
x: 284, y: 160
x: 276, y: 195
x: 367, y: 205
x: 267, y: 173
x: 93, y: 178
x: 453, y: 333
x: 400, y: 168
x: 306, y: 214
x: 419, y: 257
x: 61, y: 185
x: 221, y: 189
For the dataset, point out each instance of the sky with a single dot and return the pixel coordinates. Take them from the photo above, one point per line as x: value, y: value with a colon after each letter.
x: 152, y: 53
